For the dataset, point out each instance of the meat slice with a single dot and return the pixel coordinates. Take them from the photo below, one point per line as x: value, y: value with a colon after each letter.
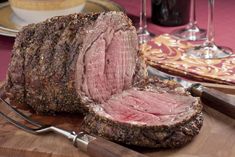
x: 66, y: 62
x: 146, y: 116
x: 109, y: 61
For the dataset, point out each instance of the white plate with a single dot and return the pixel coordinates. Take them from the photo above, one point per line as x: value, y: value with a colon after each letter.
x: 10, y: 23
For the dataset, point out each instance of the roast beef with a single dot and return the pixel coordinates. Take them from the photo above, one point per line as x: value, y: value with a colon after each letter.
x: 66, y: 62
x: 88, y: 63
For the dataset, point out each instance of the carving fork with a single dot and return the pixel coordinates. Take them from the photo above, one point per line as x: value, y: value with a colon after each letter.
x: 93, y: 146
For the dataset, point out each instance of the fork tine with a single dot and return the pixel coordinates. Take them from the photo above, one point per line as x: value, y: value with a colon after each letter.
x: 18, y: 125
x: 21, y: 115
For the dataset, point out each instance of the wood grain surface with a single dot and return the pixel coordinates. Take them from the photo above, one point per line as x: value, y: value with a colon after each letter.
x: 103, y: 148
x: 216, y: 138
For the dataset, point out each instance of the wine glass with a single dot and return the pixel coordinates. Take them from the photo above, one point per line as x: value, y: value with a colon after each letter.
x: 192, y: 32
x: 209, y: 50
x: 143, y: 33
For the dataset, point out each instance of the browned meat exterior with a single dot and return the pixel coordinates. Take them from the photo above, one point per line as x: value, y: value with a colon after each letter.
x: 89, y: 63
x: 65, y: 62
x: 154, y: 114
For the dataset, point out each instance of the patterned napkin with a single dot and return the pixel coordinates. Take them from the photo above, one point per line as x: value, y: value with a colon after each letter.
x: 168, y: 54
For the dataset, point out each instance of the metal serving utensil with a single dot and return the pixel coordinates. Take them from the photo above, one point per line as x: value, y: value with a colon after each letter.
x: 93, y: 146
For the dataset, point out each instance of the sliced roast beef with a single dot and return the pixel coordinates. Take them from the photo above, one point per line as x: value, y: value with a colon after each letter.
x: 147, y: 116
x: 66, y: 62
x: 89, y: 63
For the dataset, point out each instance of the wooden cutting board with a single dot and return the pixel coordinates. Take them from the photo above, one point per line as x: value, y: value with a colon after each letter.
x: 216, y: 138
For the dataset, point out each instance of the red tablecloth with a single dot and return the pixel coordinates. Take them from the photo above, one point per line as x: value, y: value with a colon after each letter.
x: 224, y: 26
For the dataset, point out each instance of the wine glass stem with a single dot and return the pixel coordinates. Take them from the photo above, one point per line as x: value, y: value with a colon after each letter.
x: 193, y: 21
x: 143, y: 19
x: 210, y: 27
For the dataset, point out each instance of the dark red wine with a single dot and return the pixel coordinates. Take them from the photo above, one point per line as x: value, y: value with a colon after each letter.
x: 171, y: 12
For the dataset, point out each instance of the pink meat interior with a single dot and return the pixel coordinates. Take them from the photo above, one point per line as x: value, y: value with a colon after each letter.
x: 145, y: 107
x: 109, y: 65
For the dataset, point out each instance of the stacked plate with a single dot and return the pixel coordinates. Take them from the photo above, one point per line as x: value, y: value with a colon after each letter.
x: 10, y: 23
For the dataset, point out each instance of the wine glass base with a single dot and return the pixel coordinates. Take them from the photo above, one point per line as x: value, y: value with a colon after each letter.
x: 143, y: 36
x: 191, y: 34
x: 209, y: 52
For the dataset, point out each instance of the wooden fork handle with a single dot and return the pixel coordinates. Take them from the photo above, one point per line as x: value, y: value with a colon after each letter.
x: 216, y: 99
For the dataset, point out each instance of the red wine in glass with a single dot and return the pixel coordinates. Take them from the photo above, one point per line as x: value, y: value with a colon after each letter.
x: 170, y: 12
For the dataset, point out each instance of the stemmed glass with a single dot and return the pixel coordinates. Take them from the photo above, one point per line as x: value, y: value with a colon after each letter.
x: 192, y: 32
x: 209, y: 50
x: 143, y: 33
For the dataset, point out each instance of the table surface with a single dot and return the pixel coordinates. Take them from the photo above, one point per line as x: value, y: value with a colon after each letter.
x: 224, y: 26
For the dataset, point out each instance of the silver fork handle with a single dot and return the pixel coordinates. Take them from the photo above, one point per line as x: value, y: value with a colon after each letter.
x: 80, y: 140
